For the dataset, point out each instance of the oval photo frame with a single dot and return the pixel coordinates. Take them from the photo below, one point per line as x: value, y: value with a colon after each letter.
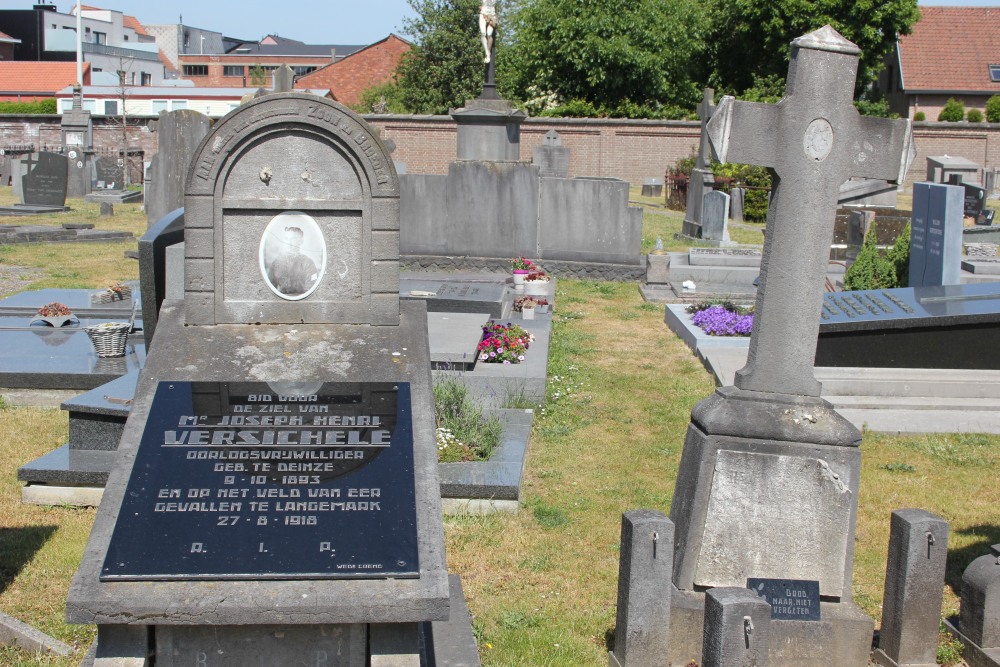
x: 292, y: 255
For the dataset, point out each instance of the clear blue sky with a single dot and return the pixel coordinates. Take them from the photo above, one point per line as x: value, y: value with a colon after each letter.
x: 310, y: 21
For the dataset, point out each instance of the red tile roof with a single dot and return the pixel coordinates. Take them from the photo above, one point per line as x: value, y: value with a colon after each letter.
x: 133, y: 22
x: 41, y: 78
x: 951, y: 49
x: 347, y: 79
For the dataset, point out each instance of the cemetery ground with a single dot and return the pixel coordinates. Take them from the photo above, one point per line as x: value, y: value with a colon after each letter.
x: 541, y: 583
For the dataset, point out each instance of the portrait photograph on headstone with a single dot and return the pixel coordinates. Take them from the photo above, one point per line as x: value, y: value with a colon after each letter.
x: 292, y: 255
x: 658, y: 353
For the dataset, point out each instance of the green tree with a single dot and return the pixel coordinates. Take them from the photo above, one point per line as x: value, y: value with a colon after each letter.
x: 618, y: 55
x: 445, y: 66
x: 258, y: 76
x: 993, y: 109
x: 749, y: 40
x: 871, y: 269
x: 953, y: 111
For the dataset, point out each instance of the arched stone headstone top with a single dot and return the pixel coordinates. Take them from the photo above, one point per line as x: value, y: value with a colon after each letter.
x: 292, y: 216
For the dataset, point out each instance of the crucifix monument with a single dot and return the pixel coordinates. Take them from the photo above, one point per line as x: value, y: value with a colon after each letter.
x: 768, y: 481
x: 701, y: 175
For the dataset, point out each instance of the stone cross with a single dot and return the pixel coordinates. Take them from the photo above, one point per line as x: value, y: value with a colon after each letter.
x: 814, y: 140
x: 706, y: 109
x: 701, y: 176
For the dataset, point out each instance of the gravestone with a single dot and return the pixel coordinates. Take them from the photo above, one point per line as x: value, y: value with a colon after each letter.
x: 737, y: 196
x: 77, y: 138
x: 178, y: 135
x: 701, y: 176
x: 551, y: 157
x: 44, y: 184
x: 109, y: 173
x: 941, y: 168
x: 652, y: 187
x: 975, y: 199
x: 284, y: 79
x: 936, y: 235
x: 768, y: 480
x: 715, y: 216
x: 279, y: 459
x: 977, y: 625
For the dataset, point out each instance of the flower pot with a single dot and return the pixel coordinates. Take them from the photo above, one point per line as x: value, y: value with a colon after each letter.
x: 542, y: 309
x: 536, y: 287
x: 519, y: 275
x: 528, y: 313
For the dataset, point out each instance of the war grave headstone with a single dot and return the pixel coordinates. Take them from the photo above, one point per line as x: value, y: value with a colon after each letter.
x: 551, y: 156
x: 701, y: 176
x: 42, y: 185
x: 715, y: 217
x: 652, y: 187
x: 768, y: 479
x: 178, y: 135
x: 936, y: 235
x: 280, y: 451
x: 77, y: 131
x: 975, y: 196
x: 977, y: 624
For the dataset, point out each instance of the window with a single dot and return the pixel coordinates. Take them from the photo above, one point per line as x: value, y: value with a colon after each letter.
x: 269, y: 68
x: 124, y: 38
x: 110, y: 107
x: 303, y: 69
x: 65, y: 105
x: 994, y: 73
x: 156, y: 106
x: 147, y: 79
x: 195, y: 70
x: 100, y: 37
x: 178, y: 104
x: 90, y: 105
x: 232, y: 70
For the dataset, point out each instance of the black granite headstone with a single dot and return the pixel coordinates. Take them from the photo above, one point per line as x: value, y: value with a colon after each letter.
x: 46, y: 180
x: 975, y: 197
x: 109, y: 172
x: 258, y: 481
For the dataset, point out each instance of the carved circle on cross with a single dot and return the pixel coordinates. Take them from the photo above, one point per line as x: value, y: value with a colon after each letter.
x: 818, y: 139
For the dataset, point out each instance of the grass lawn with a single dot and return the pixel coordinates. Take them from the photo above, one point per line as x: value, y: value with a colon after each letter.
x: 542, y: 583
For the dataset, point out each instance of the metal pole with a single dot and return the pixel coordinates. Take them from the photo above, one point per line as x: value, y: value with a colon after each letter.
x: 79, y: 44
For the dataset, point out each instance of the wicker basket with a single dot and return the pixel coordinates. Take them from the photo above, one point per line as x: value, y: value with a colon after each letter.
x: 110, y: 296
x: 109, y: 338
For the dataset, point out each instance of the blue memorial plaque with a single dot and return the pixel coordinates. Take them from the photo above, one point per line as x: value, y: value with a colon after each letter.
x: 280, y: 481
x: 790, y: 599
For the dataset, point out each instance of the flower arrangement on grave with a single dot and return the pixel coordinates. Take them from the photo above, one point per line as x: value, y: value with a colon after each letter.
x: 522, y: 302
x: 503, y: 343
x: 722, y: 319
x: 54, y: 314
x: 54, y: 309
x: 521, y: 264
x: 537, y: 276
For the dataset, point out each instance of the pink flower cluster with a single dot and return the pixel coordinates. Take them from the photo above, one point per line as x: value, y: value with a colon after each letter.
x: 503, y: 343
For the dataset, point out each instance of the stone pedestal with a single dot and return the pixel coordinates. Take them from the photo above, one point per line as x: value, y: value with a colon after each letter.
x: 489, y: 129
x: 767, y: 487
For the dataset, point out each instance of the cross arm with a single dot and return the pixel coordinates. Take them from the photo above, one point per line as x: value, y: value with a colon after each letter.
x: 754, y: 124
x: 884, y: 148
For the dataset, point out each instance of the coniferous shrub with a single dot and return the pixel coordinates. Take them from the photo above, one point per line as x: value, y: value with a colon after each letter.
x: 993, y: 109
x: 974, y: 116
x: 871, y: 270
x: 953, y: 111
x: 919, y: 116
x: 899, y: 256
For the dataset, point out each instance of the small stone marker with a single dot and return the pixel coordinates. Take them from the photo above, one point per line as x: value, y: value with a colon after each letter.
x: 936, y: 235
x: 769, y: 476
x: 642, y: 627
x: 914, y: 582
x: 284, y: 79
x: 178, y: 135
x: 715, y: 216
x: 737, y: 629
x: 979, y: 615
x: 737, y: 197
x: 107, y: 209
x: 551, y: 157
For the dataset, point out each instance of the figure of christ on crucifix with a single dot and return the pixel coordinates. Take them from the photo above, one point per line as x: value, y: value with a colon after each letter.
x: 488, y: 26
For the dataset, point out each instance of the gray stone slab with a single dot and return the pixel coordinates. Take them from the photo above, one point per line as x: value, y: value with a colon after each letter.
x: 588, y: 220
x: 911, y: 608
x: 178, y: 135
x: 679, y: 321
x: 989, y: 267
x: 115, y: 196
x: 725, y: 257
x: 454, y: 337
x: 488, y: 130
x: 110, y: 400
x: 737, y: 628
x: 500, y: 477
x: 61, y: 359
x: 27, y: 209
x: 80, y: 301
x: 642, y: 622
x: 15, y: 633
x: 753, y: 527
x: 333, y: 645
x: 69, y: 467
x: 453, y: 641
x: 485, y: 295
